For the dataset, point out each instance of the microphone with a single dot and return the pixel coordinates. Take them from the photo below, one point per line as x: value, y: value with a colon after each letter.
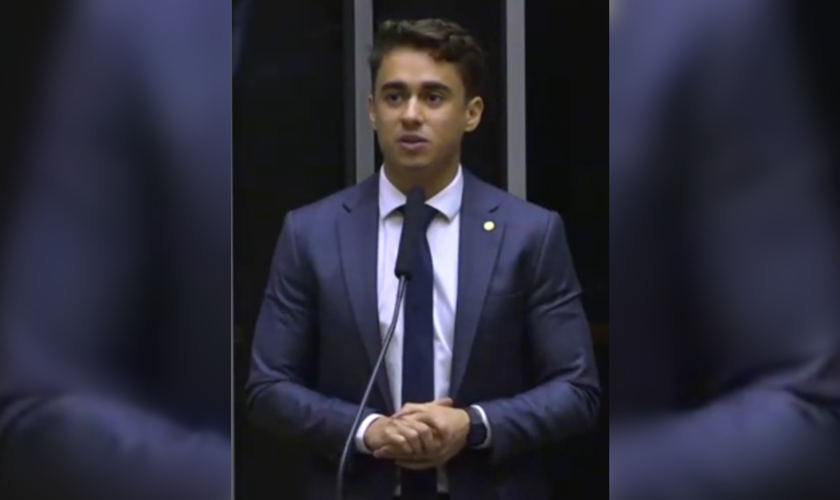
x: 413, y: 231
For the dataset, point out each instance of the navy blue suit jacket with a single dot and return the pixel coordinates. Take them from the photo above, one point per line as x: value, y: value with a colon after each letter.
x: 522, y: 348
x: 115, y: 368
x: 725, y: 340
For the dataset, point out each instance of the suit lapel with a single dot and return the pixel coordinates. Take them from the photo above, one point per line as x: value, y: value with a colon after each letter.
x: 358, y: 232
x: 478, y: 250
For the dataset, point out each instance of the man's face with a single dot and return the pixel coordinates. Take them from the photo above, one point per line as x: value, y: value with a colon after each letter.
x: 420, y: 113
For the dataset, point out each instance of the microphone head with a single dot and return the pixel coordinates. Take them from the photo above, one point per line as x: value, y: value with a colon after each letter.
x: 412, y: 231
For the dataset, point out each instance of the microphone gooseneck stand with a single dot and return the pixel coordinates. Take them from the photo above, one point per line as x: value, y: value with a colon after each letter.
x: 351, y: 437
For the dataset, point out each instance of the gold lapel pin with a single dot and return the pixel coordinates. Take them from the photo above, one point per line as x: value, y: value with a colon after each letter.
x: 489, y: 225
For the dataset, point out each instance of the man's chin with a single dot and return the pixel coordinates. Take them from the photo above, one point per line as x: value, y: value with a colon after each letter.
x: 414, y: 165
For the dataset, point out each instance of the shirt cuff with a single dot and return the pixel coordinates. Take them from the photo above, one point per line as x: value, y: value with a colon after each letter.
x: 360, y: 434
x: 488, y: 440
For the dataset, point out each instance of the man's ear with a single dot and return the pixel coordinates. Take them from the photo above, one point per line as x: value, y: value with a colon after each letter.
x: 475, y: 108
x: 371, y: 113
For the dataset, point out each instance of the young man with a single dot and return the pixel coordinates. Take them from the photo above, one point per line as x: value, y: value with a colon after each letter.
x: 491, y: 359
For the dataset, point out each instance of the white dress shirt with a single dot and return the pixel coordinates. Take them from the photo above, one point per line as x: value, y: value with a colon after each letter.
x: 443, y: 236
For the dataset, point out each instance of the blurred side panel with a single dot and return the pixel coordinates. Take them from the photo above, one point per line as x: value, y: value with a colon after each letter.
x: 115, y: 338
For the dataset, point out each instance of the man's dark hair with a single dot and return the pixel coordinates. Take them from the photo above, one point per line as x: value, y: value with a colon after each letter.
x: 444, y: 40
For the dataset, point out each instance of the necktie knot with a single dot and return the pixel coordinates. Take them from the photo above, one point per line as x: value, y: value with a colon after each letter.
x: 429, y: 214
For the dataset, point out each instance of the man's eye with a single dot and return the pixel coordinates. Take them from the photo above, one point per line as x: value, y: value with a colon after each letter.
x: 434, y: 98
x: 392, y: 98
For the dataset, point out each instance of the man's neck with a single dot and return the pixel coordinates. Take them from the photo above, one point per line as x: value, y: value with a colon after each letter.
x: 432, y: 185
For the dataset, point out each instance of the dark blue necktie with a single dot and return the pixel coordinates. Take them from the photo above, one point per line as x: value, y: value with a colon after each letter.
x: 418, y: 383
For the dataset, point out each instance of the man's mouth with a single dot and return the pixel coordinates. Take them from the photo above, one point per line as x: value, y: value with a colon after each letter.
x: 412, y: 139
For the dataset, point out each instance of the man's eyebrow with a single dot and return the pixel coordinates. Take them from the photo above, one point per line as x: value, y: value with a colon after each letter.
x: 428, y: 85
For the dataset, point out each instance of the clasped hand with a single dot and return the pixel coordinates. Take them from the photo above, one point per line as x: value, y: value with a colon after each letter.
x: 420, y: 436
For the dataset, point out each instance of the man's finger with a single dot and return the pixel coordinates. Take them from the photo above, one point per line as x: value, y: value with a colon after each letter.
x: 388, y: 451
x: 441, y: 424
x: 417, y: 465
x: 407, y: 412
x: 398, y: 440
x: 411, y: 432
x: 422, y: 463
x: 437, y: 424
x: 412, y: 438
x: 392, y: 452
x: 427, y: 438
x: 409, y: 409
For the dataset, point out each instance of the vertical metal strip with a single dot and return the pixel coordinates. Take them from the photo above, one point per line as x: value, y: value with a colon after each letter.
x: 348, y: 32
x: 363, y: 132
x: 514, y: 19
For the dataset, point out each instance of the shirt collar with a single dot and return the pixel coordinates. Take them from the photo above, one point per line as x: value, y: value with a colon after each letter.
x: 447, y: 202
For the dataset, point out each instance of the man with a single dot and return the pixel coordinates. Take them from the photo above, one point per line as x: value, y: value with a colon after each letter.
x: 491, y: 359
x: 115, y: 341
x: 725, y: 364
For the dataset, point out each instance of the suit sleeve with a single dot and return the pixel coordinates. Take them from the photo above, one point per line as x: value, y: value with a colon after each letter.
x: 566, y: 400
x: 69, y: 421
x: 283, y: 356
x: 764, y: 260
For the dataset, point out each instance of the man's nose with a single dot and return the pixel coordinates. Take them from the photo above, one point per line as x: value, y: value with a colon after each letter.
x: 413, y: 111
